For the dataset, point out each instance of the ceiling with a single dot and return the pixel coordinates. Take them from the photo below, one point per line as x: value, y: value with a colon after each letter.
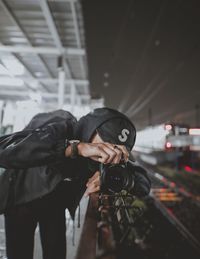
x: 38, y: 39
x: 144, y: 57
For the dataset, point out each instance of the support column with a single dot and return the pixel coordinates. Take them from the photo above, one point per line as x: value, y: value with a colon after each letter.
x: 61, y: 88
x: 1, y: 115
x: 73, y: 96
x: 61, y: 83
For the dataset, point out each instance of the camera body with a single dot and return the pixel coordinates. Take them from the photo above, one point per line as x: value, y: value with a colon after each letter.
x: 115, y: 178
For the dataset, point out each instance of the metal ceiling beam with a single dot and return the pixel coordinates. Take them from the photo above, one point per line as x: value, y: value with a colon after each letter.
x: 67, y: 81
x: 12, y: 16
x: 42, y: 50
x: 66, y: 1
x: 52, y: 27
x: 13, y: 76
x: 17, y: 93
x: 75, y: 22
x: 29, y: 72
x: 77, y: 33
x: 49, y: 80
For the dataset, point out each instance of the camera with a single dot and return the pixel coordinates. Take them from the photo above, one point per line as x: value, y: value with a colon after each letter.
x: 115, y: 178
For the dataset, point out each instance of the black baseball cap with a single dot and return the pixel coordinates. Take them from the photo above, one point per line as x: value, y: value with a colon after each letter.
x: 118, y: 131
x: 111, y: 125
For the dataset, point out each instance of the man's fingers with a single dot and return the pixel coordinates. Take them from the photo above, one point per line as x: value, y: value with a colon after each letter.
x: 114, y: 154
x: 92, y: 189
x: 121, y: 152
x: 93, y: 184
x: 95, y: 177
x: 119, y: 155
x: 103, y: 155
x: 124, y: 151
x: 93, y: 151
x: 110, y: 151
x: 104, y: 152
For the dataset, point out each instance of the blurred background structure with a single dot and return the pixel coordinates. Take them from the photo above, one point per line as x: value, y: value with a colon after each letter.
x: 140, y: 57
x: 43, y: 60
x: 144, y: 58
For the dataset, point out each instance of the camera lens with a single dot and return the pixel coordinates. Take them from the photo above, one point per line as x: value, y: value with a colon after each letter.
x: 115, y: 178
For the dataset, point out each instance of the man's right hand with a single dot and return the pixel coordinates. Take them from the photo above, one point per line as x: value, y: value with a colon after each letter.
x: 106, y: 153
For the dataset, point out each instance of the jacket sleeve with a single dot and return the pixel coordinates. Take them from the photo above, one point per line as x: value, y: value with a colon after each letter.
x: 142, y: 183
x: 30, y: 148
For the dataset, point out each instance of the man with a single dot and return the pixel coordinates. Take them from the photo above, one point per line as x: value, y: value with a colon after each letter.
x: 48, y: 167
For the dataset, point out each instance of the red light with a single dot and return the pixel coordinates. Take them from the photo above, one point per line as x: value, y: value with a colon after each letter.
x: 188, y: 168
x: 168, y: 145
x: 168, y: 127
x: 172, y: 184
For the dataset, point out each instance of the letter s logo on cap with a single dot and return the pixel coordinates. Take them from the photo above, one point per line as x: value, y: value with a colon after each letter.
x: 124, y: 135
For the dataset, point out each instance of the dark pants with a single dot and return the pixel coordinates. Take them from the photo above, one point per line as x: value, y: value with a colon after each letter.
x: 21, y: 222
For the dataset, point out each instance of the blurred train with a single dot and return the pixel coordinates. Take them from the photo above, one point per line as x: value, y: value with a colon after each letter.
x: 166, y: 142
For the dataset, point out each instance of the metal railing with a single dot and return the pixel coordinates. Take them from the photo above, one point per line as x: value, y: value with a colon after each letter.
x: 109, y: 221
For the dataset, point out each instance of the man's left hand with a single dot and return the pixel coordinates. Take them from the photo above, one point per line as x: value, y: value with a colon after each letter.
x: 93, y: 184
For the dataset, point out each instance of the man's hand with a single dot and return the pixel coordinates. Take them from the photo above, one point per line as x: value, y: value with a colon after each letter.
x: 105, y: 153
x: 93, y: 184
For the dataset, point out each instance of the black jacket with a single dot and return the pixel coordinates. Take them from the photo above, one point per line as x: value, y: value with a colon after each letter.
x: 35, y: 164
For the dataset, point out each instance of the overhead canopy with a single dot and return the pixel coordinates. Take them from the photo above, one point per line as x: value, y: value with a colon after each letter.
x: 37, y: 39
